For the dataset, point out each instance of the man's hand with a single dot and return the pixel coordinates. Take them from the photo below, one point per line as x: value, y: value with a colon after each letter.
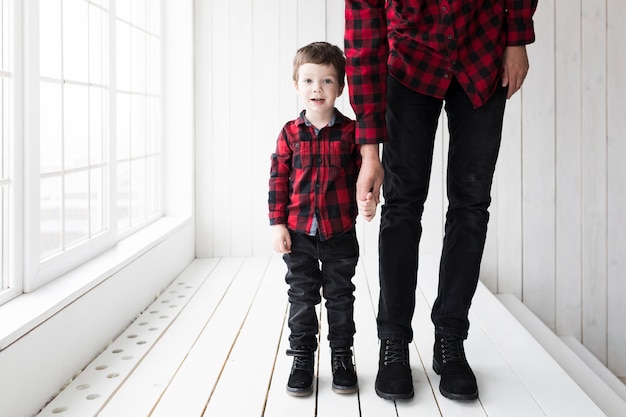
x: 515, y: 65
x: 367, y: 207
x: 371, y: 174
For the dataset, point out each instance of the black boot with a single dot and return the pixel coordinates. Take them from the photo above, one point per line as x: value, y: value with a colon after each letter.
x: 394, y: 380
x: 457, y: 379
x: 300, y: 382
x: 344, y: 375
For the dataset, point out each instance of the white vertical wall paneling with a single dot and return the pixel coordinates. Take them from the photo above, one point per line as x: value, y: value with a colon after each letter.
x: 203, y: 44
x: 221, y: 68
x: 538, y: 171
x: 616, y: 143
x: 507, y: 192
x: 311, y: 21
x: 568, y: 168
x: 265, y: 118
x: 594, y: 187
x: 240, y: 164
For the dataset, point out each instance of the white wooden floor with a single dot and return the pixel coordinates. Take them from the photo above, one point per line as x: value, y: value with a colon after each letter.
x: 213, y: 345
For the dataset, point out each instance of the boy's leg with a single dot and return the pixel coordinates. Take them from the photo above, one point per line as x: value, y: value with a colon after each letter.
x: 304, y: 279
x: 339, y: 256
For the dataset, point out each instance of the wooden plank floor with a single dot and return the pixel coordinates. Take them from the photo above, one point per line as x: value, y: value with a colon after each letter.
x: 213, y: 344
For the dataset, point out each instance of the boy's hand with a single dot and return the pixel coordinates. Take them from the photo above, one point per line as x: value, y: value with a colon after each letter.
x: 367, y: 207
x: 281, y: 240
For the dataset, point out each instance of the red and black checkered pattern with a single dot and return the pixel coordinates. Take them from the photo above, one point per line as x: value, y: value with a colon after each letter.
x: 315, y: 176
x: 424, y: 44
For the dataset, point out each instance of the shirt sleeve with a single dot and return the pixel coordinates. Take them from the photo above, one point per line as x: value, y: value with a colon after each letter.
x: 366, y: 50
x: 280, y: 169
x: 519, y: 21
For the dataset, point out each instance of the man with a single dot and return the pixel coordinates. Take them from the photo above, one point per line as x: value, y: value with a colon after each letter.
x: 405, y: 60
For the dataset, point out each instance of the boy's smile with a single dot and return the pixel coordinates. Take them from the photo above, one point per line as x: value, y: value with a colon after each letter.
x: 318, y: 86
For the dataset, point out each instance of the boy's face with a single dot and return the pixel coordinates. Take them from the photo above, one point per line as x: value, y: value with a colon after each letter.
x: 318, y: 86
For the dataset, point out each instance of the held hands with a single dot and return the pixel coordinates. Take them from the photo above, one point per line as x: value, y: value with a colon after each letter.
x: 369, y: 181
x: 281, y: 240
x: 367, y: 207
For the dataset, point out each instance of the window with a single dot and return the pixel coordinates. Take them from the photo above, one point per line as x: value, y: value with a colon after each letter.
x: 138, y: 112
x: 7, y: 150
x: 94, y: 131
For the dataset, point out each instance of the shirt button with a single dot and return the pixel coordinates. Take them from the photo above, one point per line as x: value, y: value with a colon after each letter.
x: 444, y: 8
x: 446, y: 76
x: 449, y: 36
x: 319, y: 160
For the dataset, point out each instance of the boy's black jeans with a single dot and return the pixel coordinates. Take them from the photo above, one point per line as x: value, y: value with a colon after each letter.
x: 407, y: 158
x: 338, y: 257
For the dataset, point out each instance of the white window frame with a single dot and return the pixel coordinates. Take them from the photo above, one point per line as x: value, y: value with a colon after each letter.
x: 38, y: 272
x: 12, y: 266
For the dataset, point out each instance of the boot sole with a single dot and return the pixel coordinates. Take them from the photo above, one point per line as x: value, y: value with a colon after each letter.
x: 300, y: 392
x: 339, y: 389
x: 395, y: 396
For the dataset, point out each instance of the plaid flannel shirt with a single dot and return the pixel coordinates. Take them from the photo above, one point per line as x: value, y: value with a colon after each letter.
x: 313, y: 176
x: 424, y: 44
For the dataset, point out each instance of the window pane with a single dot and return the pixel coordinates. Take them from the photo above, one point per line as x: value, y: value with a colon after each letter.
x: 97, y: 130
x: 139, y: 103
x: 50, y: 213
x: 75, y: 40
x: 50, y: 127
x: 97, y: 199
x: 50, y: 36
x: 123, y: 195
x: 76, y: 197
x: 97, y: 45
x: 76, y: 126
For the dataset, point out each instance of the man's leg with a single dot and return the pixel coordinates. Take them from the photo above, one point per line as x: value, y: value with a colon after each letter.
x: 407, y: 157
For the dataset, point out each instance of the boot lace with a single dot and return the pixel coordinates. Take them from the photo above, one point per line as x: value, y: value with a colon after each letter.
x: 396, y: 352
x: 342, y: 359
x: 452, y: 349
x: 302, y: 359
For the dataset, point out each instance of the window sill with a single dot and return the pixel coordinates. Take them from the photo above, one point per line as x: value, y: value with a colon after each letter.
x: 25, y: 312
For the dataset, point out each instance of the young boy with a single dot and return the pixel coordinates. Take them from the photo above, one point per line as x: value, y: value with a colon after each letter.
x: 312, y: 212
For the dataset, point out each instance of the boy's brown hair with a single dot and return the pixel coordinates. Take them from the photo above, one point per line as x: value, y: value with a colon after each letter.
x: 321, y: 53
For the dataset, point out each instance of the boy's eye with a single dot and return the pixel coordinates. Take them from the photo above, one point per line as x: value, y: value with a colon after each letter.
x: 328, y: 81
x: 307, y: 81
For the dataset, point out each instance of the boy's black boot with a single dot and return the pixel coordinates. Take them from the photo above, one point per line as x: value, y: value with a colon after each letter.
x: 344, y: 374
x: 394, y: 380
x: 457, y: 379
x: 300, y: 381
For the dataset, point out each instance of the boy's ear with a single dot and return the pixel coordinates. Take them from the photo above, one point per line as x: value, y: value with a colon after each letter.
x: 340, y: 91
x: 295, y: 85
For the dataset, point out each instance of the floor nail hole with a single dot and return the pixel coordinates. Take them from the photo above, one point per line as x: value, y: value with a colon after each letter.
x: 113, y: 375
x: 127, y: 358
x: 82, y: 386
x: 93, y: 396
x: 59, y: 410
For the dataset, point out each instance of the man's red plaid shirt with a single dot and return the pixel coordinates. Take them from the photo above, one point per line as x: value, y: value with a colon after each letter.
x: 424, y: 44
x: 314, y: 176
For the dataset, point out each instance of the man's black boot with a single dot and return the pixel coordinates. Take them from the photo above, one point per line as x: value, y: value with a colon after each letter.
x: 344, y: 375
x: 300, y: 381
x: 394, y: 380
x: 457, y: 379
